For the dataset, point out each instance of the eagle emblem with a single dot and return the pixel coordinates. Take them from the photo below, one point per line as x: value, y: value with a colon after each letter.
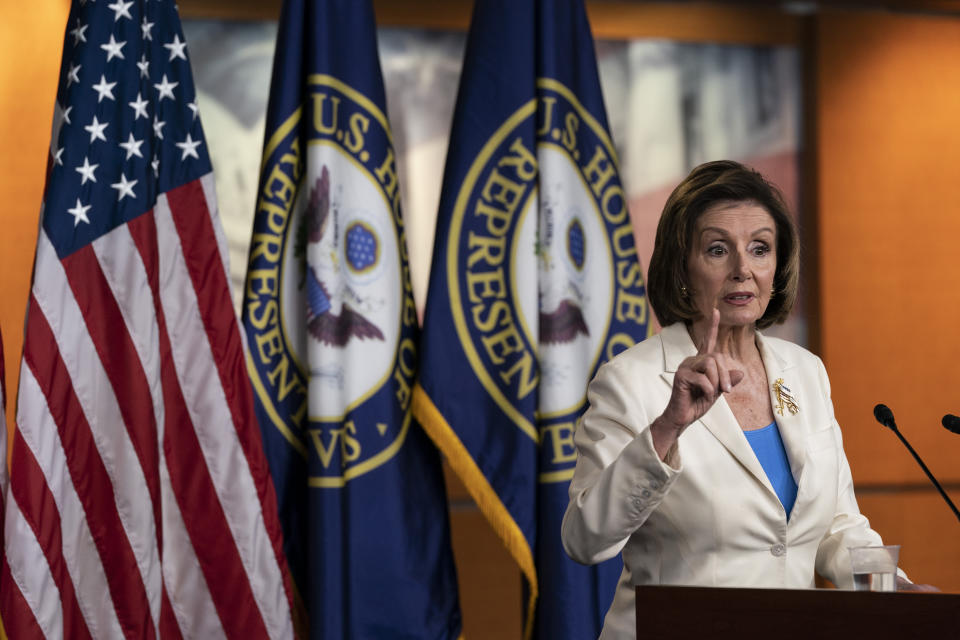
x: 323, y: 323
x: 561, y: 315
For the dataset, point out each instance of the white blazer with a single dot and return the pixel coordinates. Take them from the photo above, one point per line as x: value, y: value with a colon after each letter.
x: 710, y: 517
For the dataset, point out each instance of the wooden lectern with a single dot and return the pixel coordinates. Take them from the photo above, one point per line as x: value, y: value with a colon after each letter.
x: 666, y: 612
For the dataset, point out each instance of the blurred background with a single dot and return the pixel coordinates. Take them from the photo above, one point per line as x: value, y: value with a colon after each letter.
x: 852, y: 108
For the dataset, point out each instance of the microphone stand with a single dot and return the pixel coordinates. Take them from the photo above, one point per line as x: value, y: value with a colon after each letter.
x: 929, y: 475
x: 886, y: 419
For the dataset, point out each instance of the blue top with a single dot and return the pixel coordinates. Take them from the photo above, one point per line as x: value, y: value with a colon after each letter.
x: 768, y: 446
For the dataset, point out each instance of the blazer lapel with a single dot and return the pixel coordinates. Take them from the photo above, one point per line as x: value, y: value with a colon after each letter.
x: 719, y: 420
x: 793, y: 431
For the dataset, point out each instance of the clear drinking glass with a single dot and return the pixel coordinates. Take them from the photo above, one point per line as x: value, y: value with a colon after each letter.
x: 875, y: 568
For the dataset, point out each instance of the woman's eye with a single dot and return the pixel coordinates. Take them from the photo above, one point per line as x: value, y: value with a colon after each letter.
x: 716, y: 250
x: 761, y: 250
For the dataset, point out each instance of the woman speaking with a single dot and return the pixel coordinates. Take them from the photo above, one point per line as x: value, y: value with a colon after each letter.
x: 709, y: 454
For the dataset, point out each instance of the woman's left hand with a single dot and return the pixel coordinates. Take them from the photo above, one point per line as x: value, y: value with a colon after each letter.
x: 906, y: 585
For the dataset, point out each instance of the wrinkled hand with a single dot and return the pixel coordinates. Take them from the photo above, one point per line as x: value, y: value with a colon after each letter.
x: 700, y: 380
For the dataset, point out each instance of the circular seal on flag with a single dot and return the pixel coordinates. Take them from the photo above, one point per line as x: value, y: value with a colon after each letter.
x: 544, y: 278
x: 329, y: 305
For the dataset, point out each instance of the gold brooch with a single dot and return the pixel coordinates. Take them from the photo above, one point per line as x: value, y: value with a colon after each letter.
x: 784, y: 398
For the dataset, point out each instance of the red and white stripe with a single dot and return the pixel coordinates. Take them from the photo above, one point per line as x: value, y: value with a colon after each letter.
x: 140, y: 501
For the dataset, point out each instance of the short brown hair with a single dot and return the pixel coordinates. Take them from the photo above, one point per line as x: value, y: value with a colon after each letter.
x: 707, y: 185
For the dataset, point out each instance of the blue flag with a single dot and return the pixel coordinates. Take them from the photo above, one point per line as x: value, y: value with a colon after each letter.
x: 332, y: 330
x: 535, y: 283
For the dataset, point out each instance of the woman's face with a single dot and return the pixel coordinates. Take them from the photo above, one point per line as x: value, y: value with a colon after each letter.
x: 732, y: 262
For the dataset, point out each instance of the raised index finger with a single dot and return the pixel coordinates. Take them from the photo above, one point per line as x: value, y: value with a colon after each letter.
x: 711, y: 342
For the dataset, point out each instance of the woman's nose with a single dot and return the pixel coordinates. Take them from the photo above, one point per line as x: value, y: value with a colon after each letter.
x: 739, y: 272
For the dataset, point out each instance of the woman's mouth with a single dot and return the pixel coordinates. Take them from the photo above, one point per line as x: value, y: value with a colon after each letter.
x: 738, y: 298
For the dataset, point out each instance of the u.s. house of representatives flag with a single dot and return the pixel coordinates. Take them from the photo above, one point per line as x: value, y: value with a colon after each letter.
x: 140, y: 503
x: 332, y: 330
x: 535, y: 283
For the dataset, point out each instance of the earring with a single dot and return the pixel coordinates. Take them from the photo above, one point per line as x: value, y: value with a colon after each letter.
x: 773, y: 291
x: 683, y: 291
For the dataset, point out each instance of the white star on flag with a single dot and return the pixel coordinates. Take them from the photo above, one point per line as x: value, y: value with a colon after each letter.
x: 121, y: 10
x: 132, y: 147
x: 86, y: 171
x: 124, y: 188
x: 165, y: 88
x: 176, y: 48
x: 79, y: 213
x: 144, y: 66
x: 145, y: 27
x: 113, y: 49
x: 72, y: 74
x: 104, y: 89
x: 57, y: 157
x: 139, y: 107
x: 77, y: 33
x: 158, y: 127
x: 189, y: 147
x: 96, y: 130
x: 156, y: 166
x: 66, y: 114
x: 193, y: 107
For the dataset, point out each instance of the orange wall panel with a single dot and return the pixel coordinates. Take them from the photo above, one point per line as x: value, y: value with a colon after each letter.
x: 491, y: 600
x: 692, y: 21
x: 31, y: 39
x: 926, y: 530
x: 888, y: 114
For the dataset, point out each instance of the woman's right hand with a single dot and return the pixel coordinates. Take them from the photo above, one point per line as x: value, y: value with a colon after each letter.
x: 697, y: 384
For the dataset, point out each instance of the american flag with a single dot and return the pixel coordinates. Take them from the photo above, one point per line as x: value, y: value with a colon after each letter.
x: 3, y: 443
x: 139, y: 503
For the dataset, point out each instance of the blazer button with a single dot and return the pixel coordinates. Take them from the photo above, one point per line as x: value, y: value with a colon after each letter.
x: 638, y: 503
x: 645, y: 493
x: 778, y: 549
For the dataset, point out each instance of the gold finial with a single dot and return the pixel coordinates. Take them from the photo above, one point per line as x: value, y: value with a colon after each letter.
x: 784, y: 398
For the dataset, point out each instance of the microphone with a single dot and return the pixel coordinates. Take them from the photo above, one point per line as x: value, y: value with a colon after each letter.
x: 951, y: 423
x: 884, y: 416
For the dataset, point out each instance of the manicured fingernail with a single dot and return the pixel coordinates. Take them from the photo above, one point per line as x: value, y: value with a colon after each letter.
x: 727, y: 388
